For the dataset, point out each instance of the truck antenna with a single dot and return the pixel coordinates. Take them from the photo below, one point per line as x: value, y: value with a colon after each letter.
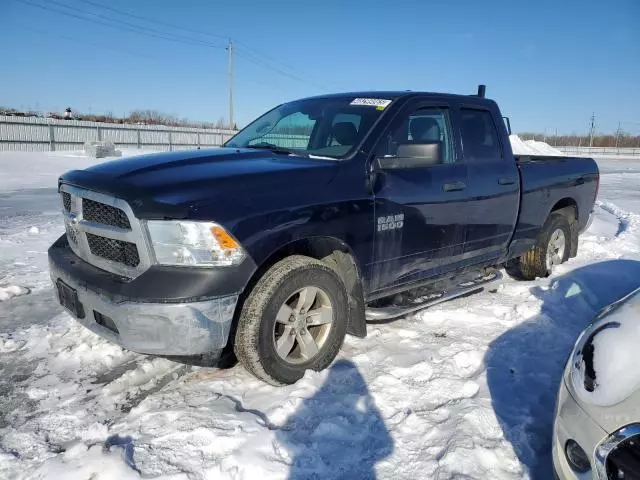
x: 481, y: 90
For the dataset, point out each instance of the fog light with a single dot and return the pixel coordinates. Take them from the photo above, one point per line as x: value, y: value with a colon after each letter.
x: 577, y: 458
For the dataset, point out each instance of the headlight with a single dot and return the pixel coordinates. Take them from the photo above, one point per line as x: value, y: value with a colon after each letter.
x: 177, y: 242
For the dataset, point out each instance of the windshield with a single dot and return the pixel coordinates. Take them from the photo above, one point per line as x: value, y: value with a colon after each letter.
x: 326, y: 127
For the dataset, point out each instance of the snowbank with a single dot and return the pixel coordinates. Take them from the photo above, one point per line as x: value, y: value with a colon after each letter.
x: 532, y: 147
x: 543, y: 148
x: 101, y: 150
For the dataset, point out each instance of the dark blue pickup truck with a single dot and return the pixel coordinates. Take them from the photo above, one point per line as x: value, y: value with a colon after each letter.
x: 319, y: 216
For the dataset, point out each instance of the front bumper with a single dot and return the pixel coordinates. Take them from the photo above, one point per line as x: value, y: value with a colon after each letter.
x: 179, y: 327
x: 573, y: 423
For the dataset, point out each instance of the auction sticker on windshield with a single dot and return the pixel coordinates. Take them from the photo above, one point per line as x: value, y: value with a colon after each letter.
x: 380, y: 103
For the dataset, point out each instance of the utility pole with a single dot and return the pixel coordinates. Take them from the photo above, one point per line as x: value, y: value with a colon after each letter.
x: 592, y: 129
x: 230, y: 50
x: 618, y: 133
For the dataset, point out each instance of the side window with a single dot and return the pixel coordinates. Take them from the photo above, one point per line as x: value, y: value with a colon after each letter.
x: 427, y: 127
x: 292, y: 131
x: 479, y: 136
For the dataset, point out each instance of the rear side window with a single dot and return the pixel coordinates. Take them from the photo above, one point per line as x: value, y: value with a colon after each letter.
x: 479, y: 136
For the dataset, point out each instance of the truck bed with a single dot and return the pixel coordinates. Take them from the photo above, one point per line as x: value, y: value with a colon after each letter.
x: 548, y: 181
x: 524, y: 158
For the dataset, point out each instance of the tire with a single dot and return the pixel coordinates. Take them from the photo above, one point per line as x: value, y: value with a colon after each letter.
x: 257, y: 332
x: 533, y: 264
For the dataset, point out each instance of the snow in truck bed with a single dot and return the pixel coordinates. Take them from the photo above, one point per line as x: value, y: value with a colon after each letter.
x: 462, y: 390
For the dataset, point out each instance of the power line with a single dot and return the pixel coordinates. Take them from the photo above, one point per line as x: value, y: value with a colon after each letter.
x: 87, y: 42
x: 118, y: 25
x: 154, y: 21
x: 190, y: 30
x: 138, y: 27
x: 254, y: 57
x: 273, y: 60
x: 111, y: 22
x: 136, y: 54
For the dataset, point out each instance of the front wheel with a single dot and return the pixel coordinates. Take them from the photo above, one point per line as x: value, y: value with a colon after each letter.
x: 294, y: 319
x: 552, y: 248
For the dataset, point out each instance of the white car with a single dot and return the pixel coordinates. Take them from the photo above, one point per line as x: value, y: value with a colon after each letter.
x: 597, y: 424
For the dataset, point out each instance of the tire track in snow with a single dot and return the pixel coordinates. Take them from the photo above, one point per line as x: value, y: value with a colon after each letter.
x: 66, y: 385
x: 627, y: 221
x: 614, y: 233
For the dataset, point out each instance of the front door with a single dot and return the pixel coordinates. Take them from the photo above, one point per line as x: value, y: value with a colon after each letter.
x: 420, y: 204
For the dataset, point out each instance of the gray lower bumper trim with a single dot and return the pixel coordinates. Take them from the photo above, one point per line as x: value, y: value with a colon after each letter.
x: 158, y: 328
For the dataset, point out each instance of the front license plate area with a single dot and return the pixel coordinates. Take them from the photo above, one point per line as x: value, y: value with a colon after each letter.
x: 69, y: 299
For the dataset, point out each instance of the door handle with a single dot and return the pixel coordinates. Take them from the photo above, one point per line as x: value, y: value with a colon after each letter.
x: 454, y: 186
x: 506, y: 181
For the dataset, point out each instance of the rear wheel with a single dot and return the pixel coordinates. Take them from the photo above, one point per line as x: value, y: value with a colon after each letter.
x: 294, y: 319
x: 552, y: 248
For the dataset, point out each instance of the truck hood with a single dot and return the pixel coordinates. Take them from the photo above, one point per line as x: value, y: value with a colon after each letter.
x: 179, y: 184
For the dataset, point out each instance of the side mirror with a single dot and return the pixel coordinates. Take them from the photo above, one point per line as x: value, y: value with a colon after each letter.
x: 412, y: 155
x: 507, y: 123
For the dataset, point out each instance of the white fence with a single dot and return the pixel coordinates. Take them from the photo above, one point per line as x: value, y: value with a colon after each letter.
x: 601, y: 151
x: 285, y: 140
x: 45, y: 134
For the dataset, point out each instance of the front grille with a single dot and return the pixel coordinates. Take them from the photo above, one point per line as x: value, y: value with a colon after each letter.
x: 71, y: 234
x: 92, y: 220
x: 66, y: 200
x: 623, y: 462
x: 104, y: 214
x: 114, y: 250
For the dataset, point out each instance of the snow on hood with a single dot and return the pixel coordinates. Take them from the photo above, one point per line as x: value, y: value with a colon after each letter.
x: 605, y: 361
x: 532, y: 147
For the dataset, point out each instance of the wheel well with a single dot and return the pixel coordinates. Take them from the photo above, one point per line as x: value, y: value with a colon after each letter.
x: 315, y: 247
x: 569, y: 208
x: 569, y: 205
x: 338, y: 256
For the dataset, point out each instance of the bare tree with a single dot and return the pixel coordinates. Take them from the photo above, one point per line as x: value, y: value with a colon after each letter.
x: 625, y: 139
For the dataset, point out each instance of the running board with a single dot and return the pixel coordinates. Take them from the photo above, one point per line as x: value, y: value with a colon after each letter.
x: 394, y: 311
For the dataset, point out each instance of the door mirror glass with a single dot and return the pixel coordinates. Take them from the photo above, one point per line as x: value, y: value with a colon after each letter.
x: 414, y: 155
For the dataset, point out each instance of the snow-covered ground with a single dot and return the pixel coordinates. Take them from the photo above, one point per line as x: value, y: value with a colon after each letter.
x: 462, y: 390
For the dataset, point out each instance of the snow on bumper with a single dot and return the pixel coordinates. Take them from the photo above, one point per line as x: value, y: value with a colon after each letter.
x: 188, y: 328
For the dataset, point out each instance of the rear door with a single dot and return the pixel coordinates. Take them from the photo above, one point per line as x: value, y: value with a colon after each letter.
x: 420, y: 208
x: 493, y: 183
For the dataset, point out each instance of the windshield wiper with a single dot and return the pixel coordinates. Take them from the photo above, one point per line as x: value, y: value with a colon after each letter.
x: 275, y: 149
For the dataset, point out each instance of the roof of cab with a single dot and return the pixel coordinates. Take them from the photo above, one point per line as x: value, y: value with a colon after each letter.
x: 394, y: 94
